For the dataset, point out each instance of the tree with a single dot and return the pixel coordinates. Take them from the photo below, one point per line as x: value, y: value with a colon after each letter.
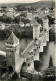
x: 15, y: 76
x: 8, y: 20
x: 51, y: 20
x: 1, y: 18
x: 16, y: 19
x: 39, y: 20
x: 21, y: 7
x: 25, y: 21
x: 50, y: 62
x: 4, y: 7
x: 43, y: 8
x: 51, y: 8
x: 5, y: 19
x: 23, y: 15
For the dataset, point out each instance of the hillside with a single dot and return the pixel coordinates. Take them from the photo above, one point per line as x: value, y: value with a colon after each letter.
x: 36, y: 4
x: 42, y: 4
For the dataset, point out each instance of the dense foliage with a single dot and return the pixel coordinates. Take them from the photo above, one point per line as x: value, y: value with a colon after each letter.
x: 5, y: 19
x: 19, y: 32
x: 25, y: 32
x: 51, y: 20
x: 39, y: 20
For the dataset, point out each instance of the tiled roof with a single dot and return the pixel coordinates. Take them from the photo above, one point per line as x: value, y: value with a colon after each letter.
x: 45, y: 17
x: 12, y: 39
x: 35, y: 23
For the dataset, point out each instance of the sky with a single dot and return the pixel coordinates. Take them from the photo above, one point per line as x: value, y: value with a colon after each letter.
x: 18, y: 1
x: 21, y: 1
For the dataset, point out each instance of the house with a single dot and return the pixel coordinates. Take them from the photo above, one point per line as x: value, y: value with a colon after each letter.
x: 2, y: 26
x: 1, y: 9
x: 27, y: 25
x: 46, y: 10
x: 1, y: 14
x: 10, y: 14
x: 21, y: 24
x: 17, y: 14
x: 29, y: 16
x: 35, y: 14
x: 31, y: 23
x: 9, y: 9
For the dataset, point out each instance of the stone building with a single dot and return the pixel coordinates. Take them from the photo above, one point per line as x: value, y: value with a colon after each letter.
x: 36, y: 30
x: 12, y: 53
x: 46, y: 27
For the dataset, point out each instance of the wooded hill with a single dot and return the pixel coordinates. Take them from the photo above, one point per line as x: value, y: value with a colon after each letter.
x: 38, y: 4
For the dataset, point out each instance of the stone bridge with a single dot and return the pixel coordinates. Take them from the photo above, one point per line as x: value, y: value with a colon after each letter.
x: 32, y: 51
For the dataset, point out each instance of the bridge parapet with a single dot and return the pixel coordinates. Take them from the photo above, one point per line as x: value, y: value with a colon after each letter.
x: 24, y: 54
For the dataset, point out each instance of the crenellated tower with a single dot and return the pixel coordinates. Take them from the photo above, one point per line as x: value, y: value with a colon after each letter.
x: 36, y: 34
x: 46, y: 27
x: 12, y: 53
x: 36, y: 29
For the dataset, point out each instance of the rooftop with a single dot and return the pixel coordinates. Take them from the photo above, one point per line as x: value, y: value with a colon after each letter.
x: 45, y: 17
x: 35, y: 23
x: 12, y: 39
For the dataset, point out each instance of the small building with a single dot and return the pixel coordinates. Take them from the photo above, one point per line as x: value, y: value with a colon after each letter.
x: 17, y: 14
x: 10, y: 14
x: 9, y: 9
x: 36, y: 29
x: 1, y: 9
x: 21, y: 24
x: 45, y: 23
x: 29, y: 16
x: 35, y: 14
x: 46, y: 10
x: 31, y: 23
x: 27, y: 25
x: 2, y: 26
x: 1, y: 14
x: 38, y: 10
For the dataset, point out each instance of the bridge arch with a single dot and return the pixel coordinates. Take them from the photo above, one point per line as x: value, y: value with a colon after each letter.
x: 22, y: 69
x: 10, y: 68
x: 24, y: 63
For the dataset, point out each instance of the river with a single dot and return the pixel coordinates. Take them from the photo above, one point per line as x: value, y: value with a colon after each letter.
x: 45, y: 56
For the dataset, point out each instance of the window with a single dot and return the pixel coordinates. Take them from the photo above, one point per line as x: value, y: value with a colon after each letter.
x: 10, y: 54
x: 28, y: 64
x: 27, y: 59
x: 35, y: 30
x: 10, y: 59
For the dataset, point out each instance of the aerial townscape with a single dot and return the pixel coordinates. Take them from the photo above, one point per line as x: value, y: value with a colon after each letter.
x: 27, y: 41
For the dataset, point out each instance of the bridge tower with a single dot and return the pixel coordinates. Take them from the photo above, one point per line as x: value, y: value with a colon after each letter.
x: 12, y: 53
x: 46, y: 27
x: 36, y: 33
x: 36, y: 29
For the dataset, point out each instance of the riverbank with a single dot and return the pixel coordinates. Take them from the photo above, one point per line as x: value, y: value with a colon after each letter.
x: 45, y: 56
x: 23, y: 32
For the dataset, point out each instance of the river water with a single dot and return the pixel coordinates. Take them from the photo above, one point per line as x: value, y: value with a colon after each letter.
x: 45, y: 56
